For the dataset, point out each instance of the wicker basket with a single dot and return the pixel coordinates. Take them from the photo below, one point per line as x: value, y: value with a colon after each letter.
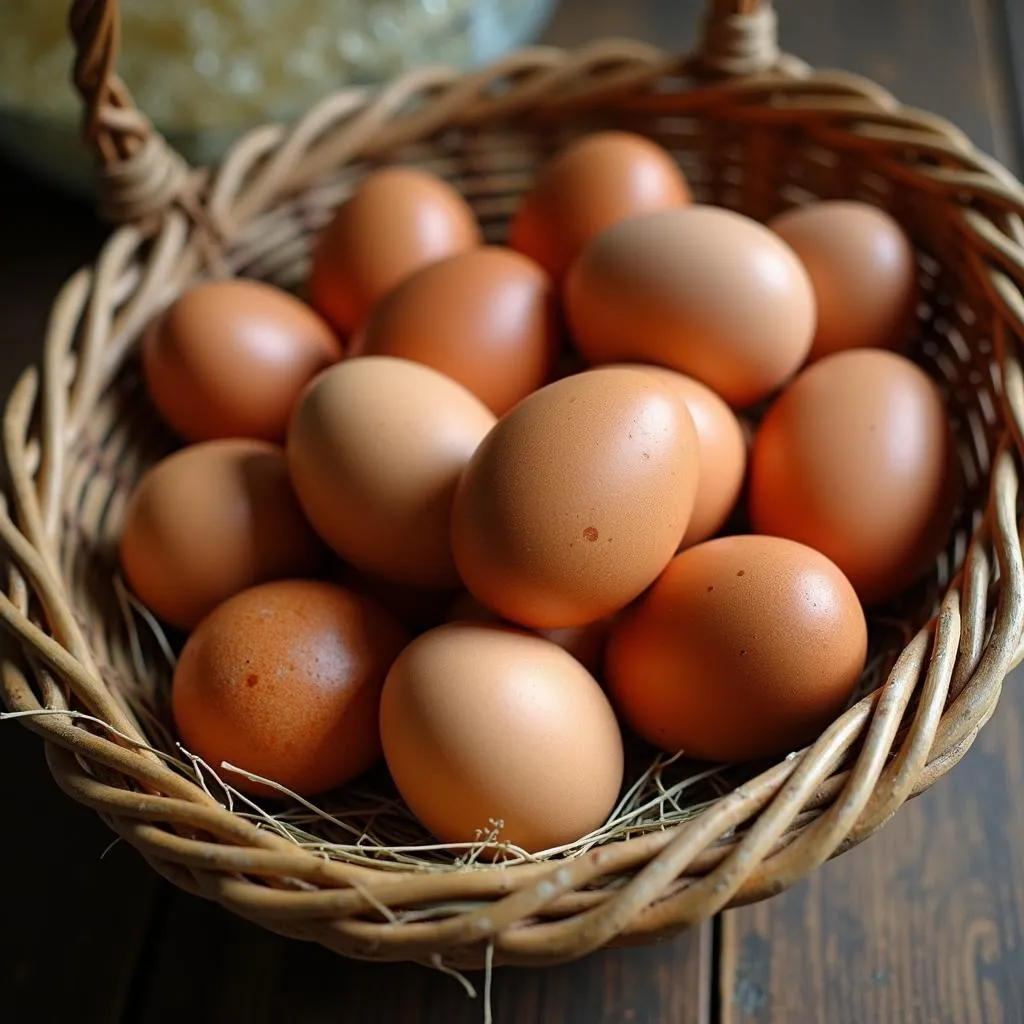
x: 753, y: 129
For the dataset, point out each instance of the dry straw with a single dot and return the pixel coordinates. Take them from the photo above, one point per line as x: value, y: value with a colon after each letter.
x: 87, y: 669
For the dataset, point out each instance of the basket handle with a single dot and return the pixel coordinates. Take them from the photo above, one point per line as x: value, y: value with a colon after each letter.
x: 140, y: 175
x: 739, y: 37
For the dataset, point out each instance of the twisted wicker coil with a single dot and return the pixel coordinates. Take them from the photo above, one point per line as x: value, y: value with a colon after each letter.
x: 754, y: 130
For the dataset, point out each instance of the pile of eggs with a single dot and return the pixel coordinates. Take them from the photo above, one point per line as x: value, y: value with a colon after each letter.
x: 481, y: 508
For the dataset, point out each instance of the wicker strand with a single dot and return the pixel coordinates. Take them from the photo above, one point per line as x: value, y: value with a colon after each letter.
x: 140, y: 175
x: 739, y: 38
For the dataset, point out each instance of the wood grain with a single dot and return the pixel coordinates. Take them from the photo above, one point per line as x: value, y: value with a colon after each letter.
x: 240, y: 974
x: 924, y: 922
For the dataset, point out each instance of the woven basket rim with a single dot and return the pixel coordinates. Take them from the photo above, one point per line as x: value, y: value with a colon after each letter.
x: 550, y: 911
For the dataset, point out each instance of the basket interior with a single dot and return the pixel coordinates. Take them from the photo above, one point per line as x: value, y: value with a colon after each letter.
x: 755, y: 168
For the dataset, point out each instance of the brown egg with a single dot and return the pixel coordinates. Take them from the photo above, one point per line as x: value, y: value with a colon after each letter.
x: 375, y: 448
x: 591, y: 184
x: 863, y: 271
x: 746, y: 647
x: 484, y: 724
x: 701, y: 290
x: 284, y: 681
x: 577, y: 499
x: 209, y: 521
x: 723, y: 454
x: 396, y: 221
x: 486, y: 318
x: 856, y: 460
x: 585, y: 643
x: 229, y: 358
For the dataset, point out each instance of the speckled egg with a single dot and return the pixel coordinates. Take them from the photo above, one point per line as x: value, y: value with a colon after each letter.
x: 723, y: 454
x: 284, y: 681
x: 746, y: 647
x: 577, y: 499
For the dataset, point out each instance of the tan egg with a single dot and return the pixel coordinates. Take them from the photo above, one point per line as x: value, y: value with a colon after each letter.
x: 723, y: 454
x: 585, y: 643
x: 284, y: 681
x: 863, y: 270
x: 577, y: 499
x: 229, y: 358
x: 856, y: 460
x: 376, y: 448
x: 487, y: 318
x: 704, y: 291
x: 746, y: 647
x: 396, y: 221
x: 209, y: 521
x: 484, y: 724
x: 591, y: 184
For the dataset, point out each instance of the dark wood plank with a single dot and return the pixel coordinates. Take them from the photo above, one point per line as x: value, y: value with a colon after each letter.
x: 924, y: 922
x: 74, y: 919
x: 240, y: 974
x: 73, y: 923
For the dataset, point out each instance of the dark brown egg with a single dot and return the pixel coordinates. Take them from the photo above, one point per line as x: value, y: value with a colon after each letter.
x: 395, y: 222
x: 593, y: 183
x: 745, y: 647
x: 229, y: 358
x: 486, y: 318
x: 284, y: 681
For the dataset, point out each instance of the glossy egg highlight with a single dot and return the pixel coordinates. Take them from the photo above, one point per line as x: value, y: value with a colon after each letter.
x: 746, y: 647
x: 376, y: 448
x: 701, y: 290
x: 487, y: 728
x: 229, y: 359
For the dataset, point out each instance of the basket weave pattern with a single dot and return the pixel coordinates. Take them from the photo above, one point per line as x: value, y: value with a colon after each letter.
x: 753, y: 130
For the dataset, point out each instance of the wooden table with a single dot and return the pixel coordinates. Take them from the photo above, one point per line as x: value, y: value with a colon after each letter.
x: 923, y: 924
